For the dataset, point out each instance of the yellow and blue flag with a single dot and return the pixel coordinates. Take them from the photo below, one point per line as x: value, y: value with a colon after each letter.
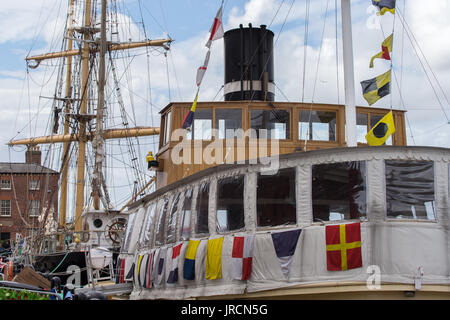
x: 381, y: 131
x: 376, y: 88
x: 189, y: 117
x: 384, y: 6
x: 189, y: 261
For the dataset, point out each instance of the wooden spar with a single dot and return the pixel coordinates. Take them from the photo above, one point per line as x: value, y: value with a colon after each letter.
x: 111, y: 47
x: 107, y: 134
x: 64, y: 169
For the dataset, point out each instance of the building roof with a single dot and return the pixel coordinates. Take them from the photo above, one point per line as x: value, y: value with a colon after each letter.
x: 24, y: 168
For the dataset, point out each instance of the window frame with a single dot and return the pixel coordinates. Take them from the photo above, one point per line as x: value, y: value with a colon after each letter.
x: 5, y: 188
x: 242, y: 109
x: 289, y: 138
x: 182, y: 214
x: 195, y: 229
x: 32, y: 208
x: 5, y: 207
x: 336, y: 128
x: 177, y: 195
x: 394, y: 219
x: 244, y: 188
x: 280, y: 226
x: 34, y: 188
x: 165, y: 202
x: 361, y: 218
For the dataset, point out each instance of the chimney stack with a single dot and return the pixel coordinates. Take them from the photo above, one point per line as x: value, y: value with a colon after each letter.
x: 33, y: 155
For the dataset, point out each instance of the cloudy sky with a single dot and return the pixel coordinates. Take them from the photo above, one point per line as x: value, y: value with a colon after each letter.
x: 421, y: 65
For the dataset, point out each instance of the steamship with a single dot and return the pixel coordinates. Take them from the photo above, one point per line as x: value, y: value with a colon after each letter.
x: 252, y: 166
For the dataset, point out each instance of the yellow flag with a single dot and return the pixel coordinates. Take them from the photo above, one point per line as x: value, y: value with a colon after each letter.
x: 191, y: 250
x: 214, y: 259
x: 381, y: 131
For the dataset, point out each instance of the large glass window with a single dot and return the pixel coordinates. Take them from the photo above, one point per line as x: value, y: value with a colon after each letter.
x: 228, y: 119
x: 230, y: 204
x: 275, y: 198
x: 167, y: 127
x: 172, y: 225
x: 148, y: 223
x: 339, y: 191
x: 201, y: 223
x: 186, y: 215
x: 410, y: 189
x: 275, y: 121
x: 317, y: 125
x: 202, y: 125
x: 161, y: 226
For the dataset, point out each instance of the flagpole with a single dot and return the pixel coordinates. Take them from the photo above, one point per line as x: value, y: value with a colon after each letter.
x: 349, y: 74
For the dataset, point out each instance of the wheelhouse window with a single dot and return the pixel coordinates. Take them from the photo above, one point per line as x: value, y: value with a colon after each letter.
x: 161, y: 226
x: 172, y: 225
x: 201, y: 222
x: 186, y: 215
x: 145, y: 238
x: 201, y: 125
x: 410, y: 189
x: 230, y: 204
x: 5, y: 185
x: 5, y: 208
x: 362, y: 120
x: 339, y: 191
x: 317, y: 125
x: 227, y: 122
x: 275, y: 198
x: 167, y: 128
x: 34, y: 208
x: 275, y: 121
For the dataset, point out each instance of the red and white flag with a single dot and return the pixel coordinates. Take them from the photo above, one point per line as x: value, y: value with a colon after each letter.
x: 173, y: 275
x: 201, y: 70
x: 242, y: 257
x: 216, y: 28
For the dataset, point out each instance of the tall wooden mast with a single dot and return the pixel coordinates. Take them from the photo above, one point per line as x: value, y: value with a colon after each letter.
x: 79, y: 196
x: 65, y: 157
x: 98, y: 145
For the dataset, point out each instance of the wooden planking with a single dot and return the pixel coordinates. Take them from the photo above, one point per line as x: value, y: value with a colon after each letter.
x: 29, y: 276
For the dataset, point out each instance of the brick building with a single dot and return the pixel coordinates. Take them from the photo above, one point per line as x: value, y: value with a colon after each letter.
x: 26, y: 190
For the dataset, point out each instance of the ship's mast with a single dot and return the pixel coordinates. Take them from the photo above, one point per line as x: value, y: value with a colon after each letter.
x: 349, y: 74
x: 98, y: 144
x: 65, y: 158
x: 79, y: 196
